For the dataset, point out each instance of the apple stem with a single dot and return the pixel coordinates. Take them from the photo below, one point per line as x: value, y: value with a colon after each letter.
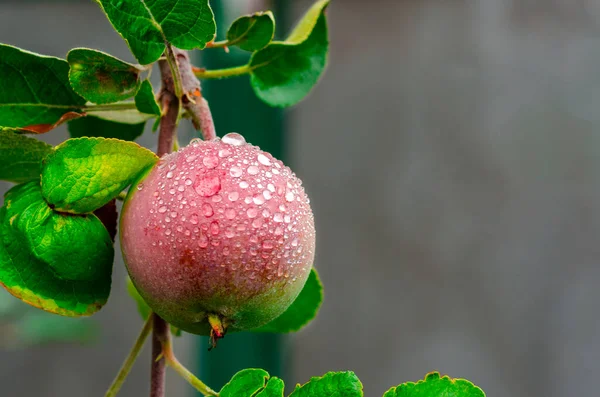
x: 217, y: 331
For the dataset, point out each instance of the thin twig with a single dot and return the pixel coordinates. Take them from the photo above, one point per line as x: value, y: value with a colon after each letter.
x: 130, y: 360
x: 184, y: 372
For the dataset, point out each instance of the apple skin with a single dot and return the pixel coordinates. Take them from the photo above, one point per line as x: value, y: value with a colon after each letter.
x: 218, y: 228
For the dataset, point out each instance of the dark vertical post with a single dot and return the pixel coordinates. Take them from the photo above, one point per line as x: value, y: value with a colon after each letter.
x: 235, y: 108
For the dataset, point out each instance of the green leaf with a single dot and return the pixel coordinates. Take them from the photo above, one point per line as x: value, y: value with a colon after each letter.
x: 274, y: 388
x: 91, y: 126
x: 142, y: 306
x: 20, y: 157
x: 77, y: 248
x: 435, y: 385
x: 332, y: 384
x: 145, y: 100
x: 252, y: 32
x: 35, y: 94
x: 301, y: 311
x: 128, y: 116
x: 32, y: 280
x: 283, y: 73
x: 83, y: 174
x: 102, y: 78
x: 245, y: 383
x: 146, y: 24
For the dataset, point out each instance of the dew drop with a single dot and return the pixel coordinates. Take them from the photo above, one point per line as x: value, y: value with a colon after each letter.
x: 235, y: 172
x: 172, y: 191
x: 266, y: 213
x: 234, y: 139
x: 226, y: 251
x: 167, y: 219
x: 244, y: 184
x: 190, y: 158
x: 188, y: 182
x: 194, y: 219
x: 264, y: 160
x: 258, y: 199
x: 257, y: 223
x: 173, y: 214
x: 195, y: 142
x: 278, y: 231
x: 187, y: 232
x: 289, y: 196
x: 233, y: 196
x: 169, y: 175
x: 140, y: 186
x: 224, y: 153
x: 267, y: 195
x: 214, y: 227
x: 287, y: 219
x: 271, y: 187
x: 295, y: 242
x: 252, y: 212
x: 217, y: 199
x: 215, y: 243
x: 253, y: 170
x: 180, y: 228
x: 207, y: 210
x: 268, y: 245
x: 210, y: 161
x: 230, y: 213
x: 240, y: 227
x: 162, y: 209
x: 278, y: 217
x: 229, y: 233
x: 282, y: 208
x: 203, y: 241
x: 248, y: 200
x: 207, y: 186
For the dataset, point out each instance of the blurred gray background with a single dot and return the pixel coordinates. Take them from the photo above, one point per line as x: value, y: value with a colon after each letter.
x: 452, y: 155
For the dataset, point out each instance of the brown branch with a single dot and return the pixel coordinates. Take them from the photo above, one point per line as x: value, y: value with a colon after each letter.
x: 192, y: 100
x: 166, y: 138
x: 160, y: 334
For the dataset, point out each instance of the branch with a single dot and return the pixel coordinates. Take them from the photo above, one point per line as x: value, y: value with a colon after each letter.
x: 160, y: 333
x: 166, y: 138
x: 192, y: 100
x: 170, y: 105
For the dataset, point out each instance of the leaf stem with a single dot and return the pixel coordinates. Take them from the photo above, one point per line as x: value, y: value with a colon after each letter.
x: 184, y: 372
x: 218, y: 44
x: 130, y: 360
x: 222, y: 73
x: 176, y: 74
